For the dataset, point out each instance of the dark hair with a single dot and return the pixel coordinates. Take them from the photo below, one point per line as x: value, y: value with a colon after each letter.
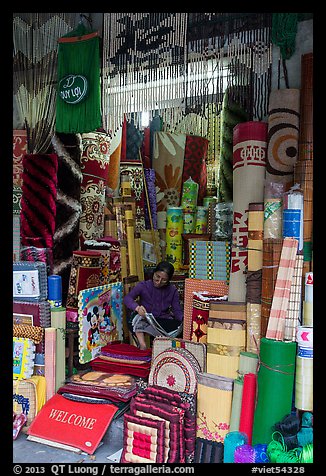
x: 165, y: 266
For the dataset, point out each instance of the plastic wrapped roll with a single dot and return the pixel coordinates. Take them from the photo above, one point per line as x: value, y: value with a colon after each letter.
x: 304, y: 379
x: 174, y: 230
x: 293, y: 216
x: 201, y: 220
x: 273, y: 217
x: 253, y: 327
x: 208, y: 200
x: 189, y: 221
x: 189, y: 194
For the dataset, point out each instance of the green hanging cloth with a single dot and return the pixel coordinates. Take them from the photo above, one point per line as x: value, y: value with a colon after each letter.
x: 78, y: 106
x: 284, y: 32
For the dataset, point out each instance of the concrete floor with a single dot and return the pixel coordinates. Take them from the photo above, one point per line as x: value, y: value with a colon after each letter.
x: 25, y: 451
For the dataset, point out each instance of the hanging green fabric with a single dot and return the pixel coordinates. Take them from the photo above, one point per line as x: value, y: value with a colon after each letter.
x: 284, y: 32
x: 79, y: 93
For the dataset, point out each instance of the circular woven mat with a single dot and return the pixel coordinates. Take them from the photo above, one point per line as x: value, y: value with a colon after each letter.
x: 176, y: 370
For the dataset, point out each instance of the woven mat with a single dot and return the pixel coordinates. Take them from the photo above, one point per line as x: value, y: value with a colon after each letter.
x: 197, y: 349
x: 176, y: 370
x: 219, y: 288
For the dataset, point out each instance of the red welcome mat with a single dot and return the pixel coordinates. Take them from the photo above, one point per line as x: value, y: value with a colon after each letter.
x: 76, y: 424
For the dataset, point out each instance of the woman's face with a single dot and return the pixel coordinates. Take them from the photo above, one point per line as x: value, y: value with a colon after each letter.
x: 160, y: 279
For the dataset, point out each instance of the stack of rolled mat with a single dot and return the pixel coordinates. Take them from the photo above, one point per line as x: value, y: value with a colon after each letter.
x: 123, y: 358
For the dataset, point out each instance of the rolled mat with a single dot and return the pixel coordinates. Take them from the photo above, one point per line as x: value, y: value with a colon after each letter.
x: 293, y: 317
x: 249, y: 166
x: 271, y: 256
x: 58, y: 321
x: 275, y: 383
x: 50, y: 361
x: 38, y: 203
x: 114, y: 165
x: 130, y: 228
x: 283, y: 135
x: 248, y: 404
x: 219, y: 288
x: 236, y: 404
x: 213, y: 421
x: 248, y: 363
x: 304, y: 379
x: 255, y: 236
x: 306, y: 138
x: 280, y: 302
x: 253, y: 327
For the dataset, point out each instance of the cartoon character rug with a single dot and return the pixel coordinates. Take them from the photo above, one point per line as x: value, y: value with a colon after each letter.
x: 100, y: 319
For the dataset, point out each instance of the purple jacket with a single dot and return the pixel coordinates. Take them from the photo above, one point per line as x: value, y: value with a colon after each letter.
x: 155, y: 300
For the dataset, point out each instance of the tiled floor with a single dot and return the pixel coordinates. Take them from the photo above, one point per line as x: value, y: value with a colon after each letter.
x: 25, y: 451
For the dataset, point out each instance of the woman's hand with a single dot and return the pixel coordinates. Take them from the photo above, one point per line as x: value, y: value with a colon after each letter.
x: 141, y: 310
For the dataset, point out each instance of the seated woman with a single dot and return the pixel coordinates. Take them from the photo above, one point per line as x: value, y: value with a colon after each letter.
x: 156, y: 296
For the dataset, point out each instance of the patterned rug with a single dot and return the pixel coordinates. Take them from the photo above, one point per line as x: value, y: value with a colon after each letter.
x: 94, y: 166
x: 39, y: 200
x: 19, y: 150
x: 168, y: 160
x: 209, y: 260
x: 135, y: 171
x: 68, y: 208
x: 283, y: 136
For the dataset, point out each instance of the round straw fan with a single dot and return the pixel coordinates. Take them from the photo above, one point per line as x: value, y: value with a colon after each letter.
x: 176, y: 370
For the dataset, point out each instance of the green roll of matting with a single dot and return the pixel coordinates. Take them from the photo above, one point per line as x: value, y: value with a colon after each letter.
x: 236, y: 404
x: 275, y: 383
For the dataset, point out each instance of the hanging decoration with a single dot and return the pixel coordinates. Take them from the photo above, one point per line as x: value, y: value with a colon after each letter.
x: 78, y: 106
x: 142, y: 52
x: 35, y: 55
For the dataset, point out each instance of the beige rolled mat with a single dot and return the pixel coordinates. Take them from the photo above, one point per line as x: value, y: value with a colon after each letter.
x: 283, y: 135
x: 130, y: 228
x: 249, y: 167
x: 58, y: 321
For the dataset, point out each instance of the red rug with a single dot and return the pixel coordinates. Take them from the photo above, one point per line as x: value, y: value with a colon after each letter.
x: 77, y: 424
x: 39, y: 190
x: 195, y: 163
